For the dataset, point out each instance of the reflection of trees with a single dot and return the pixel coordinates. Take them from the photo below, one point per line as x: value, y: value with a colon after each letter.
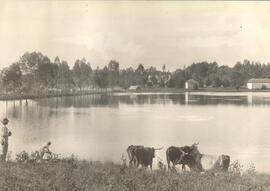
x: 80, y: 101
x: 35, y: 108
x: 84, y: 101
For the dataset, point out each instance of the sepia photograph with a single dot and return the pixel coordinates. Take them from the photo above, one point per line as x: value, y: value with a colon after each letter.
x: 134, y: 95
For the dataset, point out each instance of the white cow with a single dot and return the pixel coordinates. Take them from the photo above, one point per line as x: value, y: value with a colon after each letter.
x: 202, y: 162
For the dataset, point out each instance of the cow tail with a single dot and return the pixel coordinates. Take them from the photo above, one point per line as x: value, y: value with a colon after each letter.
x: 128, y: 152
x: 130, y: 157
x: 168, y: 159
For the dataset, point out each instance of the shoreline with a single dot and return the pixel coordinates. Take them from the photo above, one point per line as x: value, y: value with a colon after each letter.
x: 14, y: 96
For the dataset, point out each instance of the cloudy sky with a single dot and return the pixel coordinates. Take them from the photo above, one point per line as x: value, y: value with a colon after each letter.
x: 132, y: 32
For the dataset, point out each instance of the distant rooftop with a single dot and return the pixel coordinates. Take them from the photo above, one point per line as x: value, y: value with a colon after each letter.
x: 259, y: 80
x: 134, y: 87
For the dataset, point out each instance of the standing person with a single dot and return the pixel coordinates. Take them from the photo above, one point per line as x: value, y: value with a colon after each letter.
x: 4, y: 142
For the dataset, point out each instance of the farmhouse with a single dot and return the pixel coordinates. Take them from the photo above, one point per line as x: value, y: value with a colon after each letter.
x: 258, y: 83
x: 191, y: 84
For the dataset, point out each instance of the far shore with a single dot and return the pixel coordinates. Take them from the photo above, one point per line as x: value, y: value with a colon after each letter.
x: 17, y: 96
x: 183, y: 90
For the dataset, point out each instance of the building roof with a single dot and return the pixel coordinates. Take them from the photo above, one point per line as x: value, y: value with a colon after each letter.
x: 134, y: 87
x: 259, y: 80
x: 191, y: 81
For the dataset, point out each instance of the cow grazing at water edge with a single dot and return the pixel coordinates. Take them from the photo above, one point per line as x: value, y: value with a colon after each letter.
x: 131, y: 156
x: 202, y: 162
x: 175, y: 154
x: 145, y: 155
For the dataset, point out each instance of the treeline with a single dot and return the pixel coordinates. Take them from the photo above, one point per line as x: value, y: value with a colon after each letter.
x: 35, y: 72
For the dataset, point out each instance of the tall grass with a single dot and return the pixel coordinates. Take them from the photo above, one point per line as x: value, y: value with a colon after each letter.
x: 73, y: 174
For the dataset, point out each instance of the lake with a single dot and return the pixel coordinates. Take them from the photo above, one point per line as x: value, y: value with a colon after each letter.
x: 101, y: 127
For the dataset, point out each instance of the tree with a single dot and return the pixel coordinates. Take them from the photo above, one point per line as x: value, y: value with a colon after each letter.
x: 164, y: 68
x: 113, y: 68
x: 37, y: 68
x: 140, y: 75
x: 11, y: 77
x: 101, y: 77
x: 57, y: 60
x: 237, y: 79
x: 127, y: 77
x: 178, y: 79
x: 47, y: 73
x: 64, y: 76
x: 140, y: 69
x: 152, y: 74
x: 82, y: 73
x: 86, y: 72
x: 77, y: 74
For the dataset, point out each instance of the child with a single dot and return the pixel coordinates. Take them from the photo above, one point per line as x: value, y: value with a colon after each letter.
x: 45, y: 150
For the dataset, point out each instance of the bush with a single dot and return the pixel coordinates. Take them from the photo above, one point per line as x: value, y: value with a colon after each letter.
x: 236, y: 168
x: 22, y: 157
x: 263, y: 87
x: 251, y: 170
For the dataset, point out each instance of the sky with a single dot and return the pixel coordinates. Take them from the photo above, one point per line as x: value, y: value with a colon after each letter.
x: 175, y: 33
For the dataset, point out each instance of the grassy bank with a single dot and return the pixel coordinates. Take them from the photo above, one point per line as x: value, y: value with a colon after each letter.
x: 72, y: 174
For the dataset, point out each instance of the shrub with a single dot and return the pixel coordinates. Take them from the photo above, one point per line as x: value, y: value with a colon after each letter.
x: 22, y: 157
x: 263, y: 87
x: 195, y: 86
x: 251, y: 170
x: 236, y: 168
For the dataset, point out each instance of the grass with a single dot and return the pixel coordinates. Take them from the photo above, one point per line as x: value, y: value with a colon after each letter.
x: 72, y: 174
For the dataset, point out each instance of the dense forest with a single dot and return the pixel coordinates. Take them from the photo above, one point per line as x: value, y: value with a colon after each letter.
x: 36, y: 72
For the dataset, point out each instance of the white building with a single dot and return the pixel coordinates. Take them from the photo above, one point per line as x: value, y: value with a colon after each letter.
x: 258, y: 83
x: 191, y: 84
x: 135, y: 87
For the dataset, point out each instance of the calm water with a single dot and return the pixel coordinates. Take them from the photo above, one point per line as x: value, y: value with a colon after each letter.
x: 101, y: 127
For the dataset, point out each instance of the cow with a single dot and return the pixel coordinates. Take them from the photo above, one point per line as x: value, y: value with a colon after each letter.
x: 204, y: 162
x: 130, y: 152
x: 145, y: 155
x: 189, y: 160
x: 174, y: 154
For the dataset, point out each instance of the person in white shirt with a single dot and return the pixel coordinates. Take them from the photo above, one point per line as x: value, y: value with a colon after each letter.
x: 45, y: 151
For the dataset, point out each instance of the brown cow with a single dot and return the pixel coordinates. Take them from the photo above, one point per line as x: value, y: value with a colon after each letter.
x: 130, y: 152
x: 145, y: 155
x: 175, y: 154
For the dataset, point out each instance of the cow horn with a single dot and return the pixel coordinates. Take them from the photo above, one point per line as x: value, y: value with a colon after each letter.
x: 183, y: 152
x: 159, y: 148
x: 195, y: 144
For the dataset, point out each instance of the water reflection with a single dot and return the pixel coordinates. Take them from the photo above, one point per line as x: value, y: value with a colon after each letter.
x: 15, y: 108
x: 113, y: 101
x: 36, y: 108
x: 100, y: 127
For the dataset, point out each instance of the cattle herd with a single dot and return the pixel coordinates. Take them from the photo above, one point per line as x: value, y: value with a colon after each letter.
x: 185, y: 156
